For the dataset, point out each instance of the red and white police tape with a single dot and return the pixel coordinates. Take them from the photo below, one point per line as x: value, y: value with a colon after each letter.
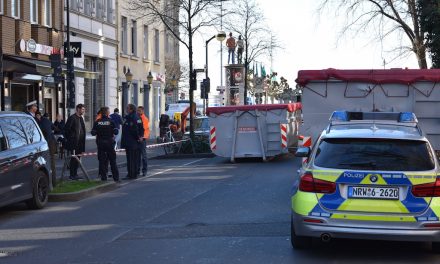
x: 86, y: 154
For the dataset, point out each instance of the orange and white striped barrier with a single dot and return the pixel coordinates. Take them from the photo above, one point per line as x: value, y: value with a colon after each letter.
x: 283, y: 135
x: 213, y: 138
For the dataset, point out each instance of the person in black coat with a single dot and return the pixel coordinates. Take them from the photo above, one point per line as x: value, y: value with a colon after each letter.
x: 58, y: 125
x: 132, y: 136
x: 75, y: 136
x: 105, y: 130
x: 46, y: 127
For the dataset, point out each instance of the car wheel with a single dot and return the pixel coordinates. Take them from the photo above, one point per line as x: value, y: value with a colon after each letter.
x: 435, y: 247
x: 40, y: 191
x: 298, y: 242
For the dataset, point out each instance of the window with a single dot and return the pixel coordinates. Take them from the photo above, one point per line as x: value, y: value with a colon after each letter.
x: 15, y: 8
x: 156, y: 45
x: 167, y: 44
x: 134, y: 37
x: 47, y: 13
x: 110, y: 11
x: 100, y: 9
x: 14, y: 132
x: 31, y: 130
x: 34, y: 11
x: 3, y: 145
x: 74, y: 5
x: 124, y: 34
x: 374, y: 154
x: 145, y: 42
x: 88, y: 7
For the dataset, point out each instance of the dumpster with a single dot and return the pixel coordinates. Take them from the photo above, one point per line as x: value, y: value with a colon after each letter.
x: 254, y: 130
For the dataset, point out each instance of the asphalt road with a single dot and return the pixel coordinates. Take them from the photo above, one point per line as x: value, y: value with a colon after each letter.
x: 185, y: 211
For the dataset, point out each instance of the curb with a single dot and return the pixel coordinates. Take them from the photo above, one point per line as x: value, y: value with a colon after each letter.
x: 80, y: 195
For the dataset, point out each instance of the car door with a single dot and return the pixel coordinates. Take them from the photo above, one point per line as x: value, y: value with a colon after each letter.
x: 6, y: 179
x: 18, y: 159
x: 36, y: 148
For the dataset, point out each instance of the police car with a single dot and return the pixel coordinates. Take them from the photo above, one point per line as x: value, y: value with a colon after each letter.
x: 370, y: 175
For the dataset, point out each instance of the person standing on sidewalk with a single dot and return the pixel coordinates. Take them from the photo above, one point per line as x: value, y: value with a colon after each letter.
x: 132, y: 136
x: 75, y: 135
x: 143, y: 157
x: 46, y: 128
x: 117, y: 119
x: 230, y: 43
x: 105, y: 130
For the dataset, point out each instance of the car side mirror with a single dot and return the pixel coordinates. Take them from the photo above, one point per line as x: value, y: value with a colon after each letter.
x: 303, y: 152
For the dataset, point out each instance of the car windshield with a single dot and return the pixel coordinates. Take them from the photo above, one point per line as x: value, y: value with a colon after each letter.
x: 374, y: 154
x: 201, y: 124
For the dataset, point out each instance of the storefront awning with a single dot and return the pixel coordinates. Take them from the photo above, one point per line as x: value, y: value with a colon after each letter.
x: 33, y: 66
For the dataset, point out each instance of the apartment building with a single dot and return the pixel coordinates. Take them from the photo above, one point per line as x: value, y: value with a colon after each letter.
x: 143, y: 46
x: 93, y: 23
x: 30, y: 30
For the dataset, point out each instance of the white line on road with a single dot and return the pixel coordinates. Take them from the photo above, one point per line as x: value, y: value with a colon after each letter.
x: 163, y: 171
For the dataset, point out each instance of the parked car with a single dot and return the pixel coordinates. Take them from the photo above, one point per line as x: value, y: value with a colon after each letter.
x: 370, y: 175
x: 24, y: 161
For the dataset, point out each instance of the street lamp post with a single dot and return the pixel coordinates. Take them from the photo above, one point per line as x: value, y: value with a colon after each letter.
x: 221, y: 35
x: 70, y: 74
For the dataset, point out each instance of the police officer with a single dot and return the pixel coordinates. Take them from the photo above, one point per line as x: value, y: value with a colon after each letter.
x: 105, y: 130
x: 132, y: 137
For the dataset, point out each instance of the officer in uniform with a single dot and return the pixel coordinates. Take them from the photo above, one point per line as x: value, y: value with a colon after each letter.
x: 105, y: 130
x: 132, y: 137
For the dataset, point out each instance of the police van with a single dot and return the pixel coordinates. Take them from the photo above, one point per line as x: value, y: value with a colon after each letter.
x: 369, y: 175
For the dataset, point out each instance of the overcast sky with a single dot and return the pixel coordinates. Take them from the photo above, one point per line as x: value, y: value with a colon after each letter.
x: 310, y: 41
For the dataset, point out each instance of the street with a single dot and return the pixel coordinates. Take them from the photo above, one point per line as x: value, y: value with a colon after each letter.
x: 185, y: 211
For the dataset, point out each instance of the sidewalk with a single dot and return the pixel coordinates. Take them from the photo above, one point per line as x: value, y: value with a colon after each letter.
x: 90, y: 163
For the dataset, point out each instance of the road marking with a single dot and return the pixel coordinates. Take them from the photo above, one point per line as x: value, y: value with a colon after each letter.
x: 163, y: 171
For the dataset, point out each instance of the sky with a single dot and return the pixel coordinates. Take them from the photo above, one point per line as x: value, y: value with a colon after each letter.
x: 310, y: 40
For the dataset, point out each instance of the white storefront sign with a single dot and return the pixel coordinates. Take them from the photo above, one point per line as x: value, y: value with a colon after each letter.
x: 33, y: 47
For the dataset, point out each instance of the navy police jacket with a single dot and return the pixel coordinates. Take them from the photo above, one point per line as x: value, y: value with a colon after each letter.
x: 104, y: 129
x: 132, y: 131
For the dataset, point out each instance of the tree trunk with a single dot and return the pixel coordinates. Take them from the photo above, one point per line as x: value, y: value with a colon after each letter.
x: 420, y: 51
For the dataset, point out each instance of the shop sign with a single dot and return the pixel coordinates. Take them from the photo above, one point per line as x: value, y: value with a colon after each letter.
x: 75, y: 47
x: 34, y: 47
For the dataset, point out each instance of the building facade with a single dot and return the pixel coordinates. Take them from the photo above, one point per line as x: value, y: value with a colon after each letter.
x: 93, y: 23
x: 141, y: 52
x: 30, y: 31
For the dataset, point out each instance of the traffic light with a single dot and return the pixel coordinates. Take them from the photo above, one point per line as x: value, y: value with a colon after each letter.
x: 207, y: 84
x: 203, y: 93
x: 55, y: 63
x: 193, y: 81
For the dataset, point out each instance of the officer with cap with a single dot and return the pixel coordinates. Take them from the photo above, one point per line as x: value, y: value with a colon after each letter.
x: 31, y: 108
x: 105, y: 130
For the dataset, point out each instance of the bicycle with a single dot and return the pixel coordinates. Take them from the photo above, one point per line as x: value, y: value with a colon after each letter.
x: 166, y: 136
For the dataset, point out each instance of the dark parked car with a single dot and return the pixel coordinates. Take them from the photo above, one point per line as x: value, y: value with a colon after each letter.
x: 24, y: 161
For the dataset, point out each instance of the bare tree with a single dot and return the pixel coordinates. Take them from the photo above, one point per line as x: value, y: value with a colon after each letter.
x: 183, y: 19
x: 387, y: 17
x: 247, y: 20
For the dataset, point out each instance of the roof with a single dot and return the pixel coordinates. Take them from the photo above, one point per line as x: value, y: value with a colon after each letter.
x: 3, y: 113
x: 401, y: 76
x: 374, y: 130
x: 264, y: 107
